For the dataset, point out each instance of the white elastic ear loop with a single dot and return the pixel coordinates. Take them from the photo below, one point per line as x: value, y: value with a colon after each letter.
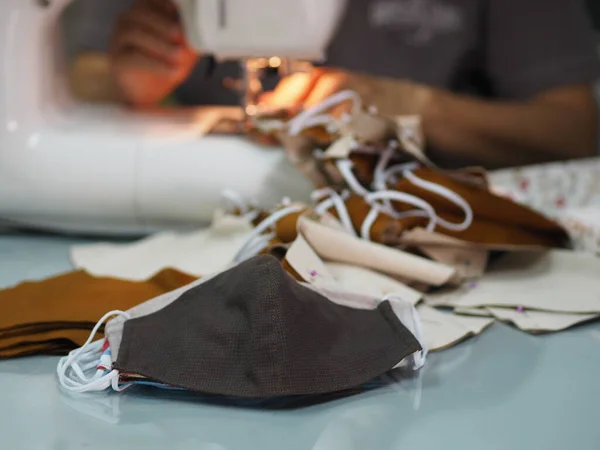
x: 379, y: 175
x: 376, y: 209
x: 453, y: 197
x: 86, y: 358
x: 409, y: 145
x: 268, y: 125
x: 380, y: 182
x: 247, y: 209
x: 345, y: 168
x: 256, y: 238
x: 322, y: 119
x: 333, y: 199
x: 299, y: 123
x: 411, y: 320
x: 449, y: 195
x: 409, y: 199
x: 365, y: 227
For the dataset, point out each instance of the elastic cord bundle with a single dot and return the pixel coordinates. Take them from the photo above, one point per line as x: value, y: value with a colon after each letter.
x: 89, y: 367
x: 381, y: 198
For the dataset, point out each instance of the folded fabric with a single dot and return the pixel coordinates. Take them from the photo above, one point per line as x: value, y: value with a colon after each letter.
x: 68, y: 337
x: 57, y: 314
x: 555, y: 281
x: 468, y: 261
x: 497, y: 221
x: 41, y: 328
x: 334, y: 245
x: 33, y: 348
x: 293, y: 229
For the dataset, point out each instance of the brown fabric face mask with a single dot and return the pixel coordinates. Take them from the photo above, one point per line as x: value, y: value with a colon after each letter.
x: 64, y: 309
x: 253, y: 331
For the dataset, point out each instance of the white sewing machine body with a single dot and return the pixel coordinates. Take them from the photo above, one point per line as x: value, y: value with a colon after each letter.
x: 104, y: 169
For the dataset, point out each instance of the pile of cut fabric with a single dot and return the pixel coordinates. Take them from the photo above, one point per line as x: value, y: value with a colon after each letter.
x: 393, y: 258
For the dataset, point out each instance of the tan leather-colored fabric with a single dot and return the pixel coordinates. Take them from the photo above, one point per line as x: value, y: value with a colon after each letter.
x: 384, y: 230
x: 65, y: 308
x: 498, y: 221
x: 286, y: 227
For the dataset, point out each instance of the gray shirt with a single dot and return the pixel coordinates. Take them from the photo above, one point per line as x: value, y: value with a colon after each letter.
x: 507, y: 49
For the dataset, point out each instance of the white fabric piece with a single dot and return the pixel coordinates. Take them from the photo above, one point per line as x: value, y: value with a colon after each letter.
x: 308, y: 265
x: 360, y: 280
x: 540, y: 321
x: 196, y: 253
x: 555, y: 281
x: 442, y: 330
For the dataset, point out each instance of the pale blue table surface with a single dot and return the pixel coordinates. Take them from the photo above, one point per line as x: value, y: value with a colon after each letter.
x: 502, y: 390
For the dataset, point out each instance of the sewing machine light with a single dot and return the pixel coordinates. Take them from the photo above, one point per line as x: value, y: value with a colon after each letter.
x: 274, y: 61
x: 251, y: 110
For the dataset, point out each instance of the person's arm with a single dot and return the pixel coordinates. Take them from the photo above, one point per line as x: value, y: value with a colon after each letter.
x: 556, y: 125
x: 133, y: 51
x: 542, y: 58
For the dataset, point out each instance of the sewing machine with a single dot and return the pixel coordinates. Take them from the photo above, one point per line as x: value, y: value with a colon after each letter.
x: 68, y: 166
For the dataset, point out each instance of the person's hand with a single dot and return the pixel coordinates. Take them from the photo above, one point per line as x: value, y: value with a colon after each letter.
x: 390, y: 96
x: 149, y: 54
x: 301, y: 91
